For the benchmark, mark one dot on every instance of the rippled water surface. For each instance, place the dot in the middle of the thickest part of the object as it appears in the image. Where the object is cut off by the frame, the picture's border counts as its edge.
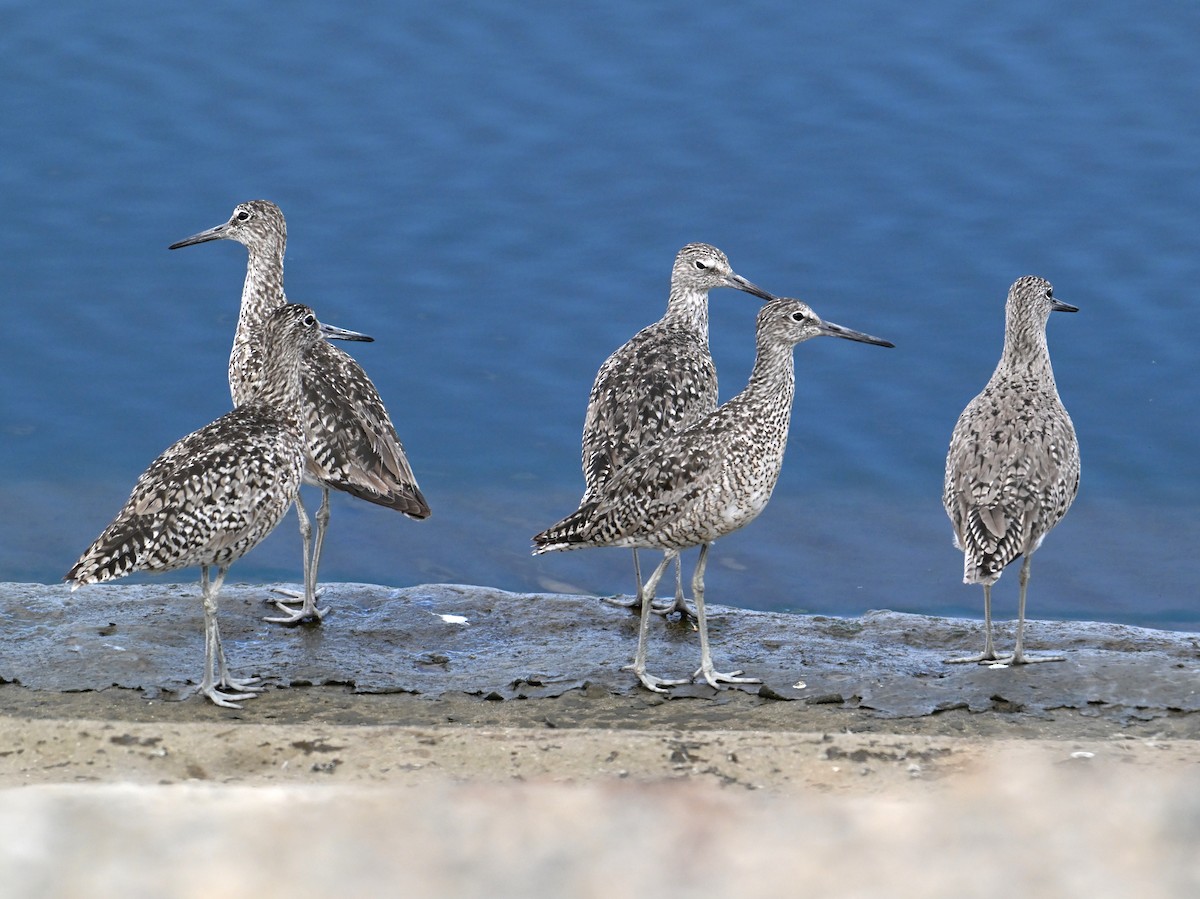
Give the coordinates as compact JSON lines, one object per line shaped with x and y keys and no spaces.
{"x":497,"y":197}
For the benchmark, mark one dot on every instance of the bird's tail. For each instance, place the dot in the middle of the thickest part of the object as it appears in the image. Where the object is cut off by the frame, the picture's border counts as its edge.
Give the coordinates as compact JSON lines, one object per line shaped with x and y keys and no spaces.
{"x":567,"y":534}
{"x":990,"y":541}
{"x":115,"y":553}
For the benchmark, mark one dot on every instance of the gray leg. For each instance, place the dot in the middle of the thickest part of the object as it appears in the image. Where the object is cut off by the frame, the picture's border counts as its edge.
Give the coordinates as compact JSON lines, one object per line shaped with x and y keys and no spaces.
{"x":1018,"y":657}
{"x":305,"y":542}
{"x":635,"y":605}
{"x":305,"y":537}
{"x":649,"y":681}
{"x":308,"y":613}
{"x":216,"y":672}
{"x":680,"y":604}
{"x":989,"y":648}
{"x":310,"y":600}
{"x":715,"y":678}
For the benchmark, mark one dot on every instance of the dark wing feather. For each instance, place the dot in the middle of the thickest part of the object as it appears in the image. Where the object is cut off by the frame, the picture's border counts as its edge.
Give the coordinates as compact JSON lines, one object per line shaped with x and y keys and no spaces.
{"x":353,"y":445}
{"x":659,"y":382}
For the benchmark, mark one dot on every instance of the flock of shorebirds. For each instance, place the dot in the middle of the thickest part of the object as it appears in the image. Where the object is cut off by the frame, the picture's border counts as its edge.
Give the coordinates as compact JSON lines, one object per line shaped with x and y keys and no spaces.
{"x":665,"y":467}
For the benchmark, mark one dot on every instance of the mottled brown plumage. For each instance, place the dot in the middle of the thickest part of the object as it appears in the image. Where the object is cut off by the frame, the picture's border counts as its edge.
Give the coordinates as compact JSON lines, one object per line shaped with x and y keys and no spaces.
{"x":660,"y":381}
{"x":214,"y":495}
{"x":706,"y":480}
{"x":352,"y":444}
{"x":1012,"y":470}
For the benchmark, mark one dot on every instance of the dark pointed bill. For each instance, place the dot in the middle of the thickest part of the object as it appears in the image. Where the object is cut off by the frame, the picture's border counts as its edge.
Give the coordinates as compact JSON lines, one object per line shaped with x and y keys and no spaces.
{"x":331,"y":332}
{"x":740,"y":283}
{"x":833,"y":330}
{"x":1060,"y":306}
{"x":203,"y":237}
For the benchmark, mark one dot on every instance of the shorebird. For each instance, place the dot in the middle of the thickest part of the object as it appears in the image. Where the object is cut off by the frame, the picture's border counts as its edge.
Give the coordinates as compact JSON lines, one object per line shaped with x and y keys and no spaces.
{"x":352,"y":444}
{"x":659,"y":382}
{"x":705,"y":481}
{"x":1013,"y":466}
{"x":214,"y":495}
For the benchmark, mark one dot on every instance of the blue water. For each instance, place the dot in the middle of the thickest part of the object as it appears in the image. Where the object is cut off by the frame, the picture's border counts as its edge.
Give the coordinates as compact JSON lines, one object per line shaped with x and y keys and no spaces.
{"x":496,"y":194}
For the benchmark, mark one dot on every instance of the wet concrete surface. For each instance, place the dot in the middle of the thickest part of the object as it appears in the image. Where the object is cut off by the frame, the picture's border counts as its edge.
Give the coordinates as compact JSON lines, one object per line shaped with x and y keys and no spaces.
{"x":435,"y":641}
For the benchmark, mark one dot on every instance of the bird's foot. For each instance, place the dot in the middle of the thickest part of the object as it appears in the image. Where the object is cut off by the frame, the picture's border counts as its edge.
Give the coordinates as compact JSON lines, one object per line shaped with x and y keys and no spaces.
{"x":632,"y":605}
{"x":293,"y":596}
{"x":987,"y":657}
{"x":650,"y":682}
{"x":293,"y":616}
{"x":246,"y":685}
{"x":230,"y":700}
{"x":1022,"y":659}
{"x":716,"y":678}
{"x":686,"y":615}
{"x":635,"y":605}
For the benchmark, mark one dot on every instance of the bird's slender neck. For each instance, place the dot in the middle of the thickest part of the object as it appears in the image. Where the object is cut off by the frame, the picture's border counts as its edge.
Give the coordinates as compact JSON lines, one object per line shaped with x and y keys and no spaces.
{"x":1025,"y":348}
{"x":774,"y":373}
{"x":688,"y":308}
{"x":763,"y":410}
{"x":263,"y":288}
{"x":279,"y":388}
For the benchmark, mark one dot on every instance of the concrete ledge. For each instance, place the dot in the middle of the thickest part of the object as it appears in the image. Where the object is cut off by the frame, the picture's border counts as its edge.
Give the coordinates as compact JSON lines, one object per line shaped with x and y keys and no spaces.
{"x":436,"y":640}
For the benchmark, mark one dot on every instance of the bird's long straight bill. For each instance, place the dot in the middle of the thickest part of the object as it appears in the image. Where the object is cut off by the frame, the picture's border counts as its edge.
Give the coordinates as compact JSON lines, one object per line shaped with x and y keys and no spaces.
{"x":740,"y":283}
{"x":832,"y":330}
{"x":203,"y":237}
{"x":330,"y":332}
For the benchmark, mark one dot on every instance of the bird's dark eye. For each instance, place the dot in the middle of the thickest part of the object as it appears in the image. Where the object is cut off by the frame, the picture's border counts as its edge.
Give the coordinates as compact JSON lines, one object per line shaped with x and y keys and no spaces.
{"x":701,"y":264}
{"x":310,"y":320}
{"x":797,"y":316}
{"x":243,"y":215}
{"x":1049,"y":291}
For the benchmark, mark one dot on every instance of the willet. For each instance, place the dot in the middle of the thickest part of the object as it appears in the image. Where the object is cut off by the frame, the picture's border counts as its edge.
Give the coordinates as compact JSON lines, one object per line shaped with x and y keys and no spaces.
{"x":214,"y":495}
{"x":659,"y":382}
{"x":352,"y":444}
{"x":705,"y":481}
{"x":1013,"y":467}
